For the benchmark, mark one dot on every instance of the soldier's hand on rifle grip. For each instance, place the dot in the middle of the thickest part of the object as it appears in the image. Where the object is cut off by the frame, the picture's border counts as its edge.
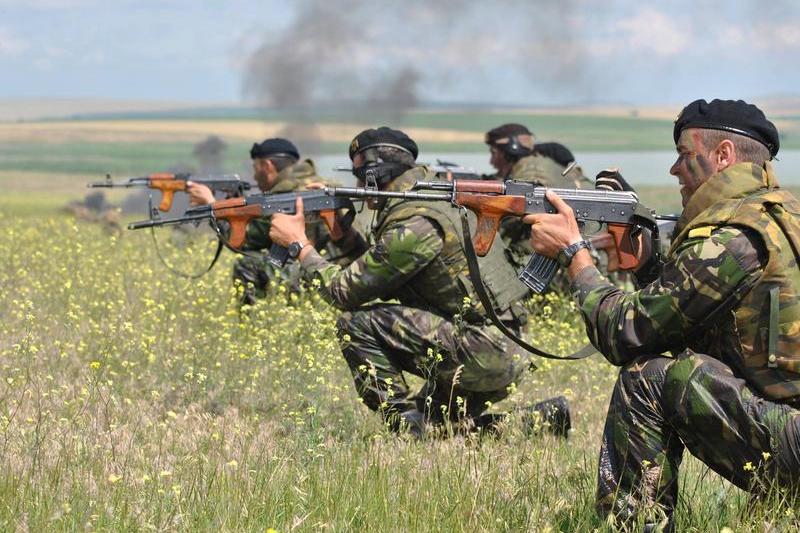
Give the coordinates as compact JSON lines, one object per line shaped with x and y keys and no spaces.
{"x":199,"y":194}
{"x":286,"y":229}
{"x":551,"y":233}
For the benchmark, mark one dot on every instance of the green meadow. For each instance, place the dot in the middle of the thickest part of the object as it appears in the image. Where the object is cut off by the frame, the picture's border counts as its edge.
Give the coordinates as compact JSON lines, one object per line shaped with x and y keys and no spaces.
{"x":132,"y":399}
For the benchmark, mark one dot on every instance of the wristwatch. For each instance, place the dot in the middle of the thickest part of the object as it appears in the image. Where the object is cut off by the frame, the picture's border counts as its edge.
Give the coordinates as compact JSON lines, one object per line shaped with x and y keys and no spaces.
{"x":296,"y":247}
{"x":565,"y":256}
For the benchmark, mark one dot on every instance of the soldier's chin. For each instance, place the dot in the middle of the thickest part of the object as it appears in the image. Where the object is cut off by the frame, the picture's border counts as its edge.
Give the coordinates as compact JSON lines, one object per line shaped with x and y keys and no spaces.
{"x":685,"y":195}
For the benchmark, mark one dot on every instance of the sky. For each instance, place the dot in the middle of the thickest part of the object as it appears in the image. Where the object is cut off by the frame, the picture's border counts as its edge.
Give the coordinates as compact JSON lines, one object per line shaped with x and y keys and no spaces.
{"x":509,"y":52}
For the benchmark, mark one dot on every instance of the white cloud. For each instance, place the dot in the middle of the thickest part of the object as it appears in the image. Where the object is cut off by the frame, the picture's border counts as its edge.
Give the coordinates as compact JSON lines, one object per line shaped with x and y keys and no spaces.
{"x":10,"y":44}
{"x":764,"y":37}
{"x":778,"y":36}
{"x":652,"y":31}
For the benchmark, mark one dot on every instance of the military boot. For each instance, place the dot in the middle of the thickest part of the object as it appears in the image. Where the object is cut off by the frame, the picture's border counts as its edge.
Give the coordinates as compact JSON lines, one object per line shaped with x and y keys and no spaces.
{"x":550,"y":415}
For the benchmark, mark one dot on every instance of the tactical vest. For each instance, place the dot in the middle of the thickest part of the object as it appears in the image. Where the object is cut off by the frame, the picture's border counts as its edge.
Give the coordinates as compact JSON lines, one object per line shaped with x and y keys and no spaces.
{"x":761,"y":337}
{"x":445,"y":283}
{"x":544,"y":170}
{"x":296,"y":177}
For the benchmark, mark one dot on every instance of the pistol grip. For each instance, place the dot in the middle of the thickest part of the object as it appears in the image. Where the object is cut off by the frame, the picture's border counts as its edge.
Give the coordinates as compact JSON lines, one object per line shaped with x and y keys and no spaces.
{"x":539,"y":272}
{"x":278,"y":255}
{"x":166,"y":200}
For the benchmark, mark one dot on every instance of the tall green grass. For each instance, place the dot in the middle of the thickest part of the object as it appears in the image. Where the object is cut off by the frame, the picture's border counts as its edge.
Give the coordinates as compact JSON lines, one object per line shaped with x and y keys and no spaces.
{"x":131,"y":399}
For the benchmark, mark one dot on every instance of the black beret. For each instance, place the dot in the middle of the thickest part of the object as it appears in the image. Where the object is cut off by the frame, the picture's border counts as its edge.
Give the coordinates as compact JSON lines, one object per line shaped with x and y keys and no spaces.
{"x":504,"y":132}
{"x":383,"y":136}
{"x":555,"y":151}
{"x":735,"y":116}
{"x":271,"y":147}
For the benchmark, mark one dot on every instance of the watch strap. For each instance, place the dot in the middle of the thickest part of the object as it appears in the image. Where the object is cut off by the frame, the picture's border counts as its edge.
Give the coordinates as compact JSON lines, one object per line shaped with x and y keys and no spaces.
{"x":565,"y":255}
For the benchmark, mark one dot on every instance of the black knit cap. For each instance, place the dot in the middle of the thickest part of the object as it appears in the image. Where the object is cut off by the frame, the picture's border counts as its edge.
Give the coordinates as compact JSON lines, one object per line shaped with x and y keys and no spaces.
{"x":273,"y":147}
{"x":735,"y":116}
{"x":383,"y":136}
{"x":504,"y":132}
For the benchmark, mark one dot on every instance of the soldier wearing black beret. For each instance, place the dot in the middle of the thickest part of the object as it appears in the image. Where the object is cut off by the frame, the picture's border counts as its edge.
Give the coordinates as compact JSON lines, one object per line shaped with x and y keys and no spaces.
{"x":725,"y":306}
{"x":277,"y":168}
{"x":436,"y":328}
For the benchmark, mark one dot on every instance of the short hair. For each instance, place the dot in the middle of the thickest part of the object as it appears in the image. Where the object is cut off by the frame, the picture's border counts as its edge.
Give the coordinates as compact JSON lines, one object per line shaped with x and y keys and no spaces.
{"x":747,"y":149}
{"x":390,"y":154}
{"x":281,"y":161}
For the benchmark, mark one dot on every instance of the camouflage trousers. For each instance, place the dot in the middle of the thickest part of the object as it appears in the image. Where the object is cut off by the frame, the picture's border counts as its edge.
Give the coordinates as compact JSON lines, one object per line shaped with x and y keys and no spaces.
{"x":255,"y":272}
{"x":465,"y":367}
{"x":661,"y":406}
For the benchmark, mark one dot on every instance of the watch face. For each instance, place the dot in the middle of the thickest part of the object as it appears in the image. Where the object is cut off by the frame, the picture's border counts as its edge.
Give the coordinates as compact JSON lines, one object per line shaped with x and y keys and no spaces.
{"x":294,"y":250}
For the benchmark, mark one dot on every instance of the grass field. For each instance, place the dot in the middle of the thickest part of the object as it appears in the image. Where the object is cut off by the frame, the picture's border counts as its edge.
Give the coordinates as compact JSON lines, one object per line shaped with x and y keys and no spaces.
{"x":132,"y":399}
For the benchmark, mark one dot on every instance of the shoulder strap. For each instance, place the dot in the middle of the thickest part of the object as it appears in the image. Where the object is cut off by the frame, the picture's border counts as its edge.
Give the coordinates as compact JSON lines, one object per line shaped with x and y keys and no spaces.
{"x":480,"y":290}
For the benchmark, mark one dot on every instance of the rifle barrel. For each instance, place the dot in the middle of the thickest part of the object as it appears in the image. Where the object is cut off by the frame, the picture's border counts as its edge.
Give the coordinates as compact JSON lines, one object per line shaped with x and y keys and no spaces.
{"x":363,"y":192}
{"x":168,"y":221}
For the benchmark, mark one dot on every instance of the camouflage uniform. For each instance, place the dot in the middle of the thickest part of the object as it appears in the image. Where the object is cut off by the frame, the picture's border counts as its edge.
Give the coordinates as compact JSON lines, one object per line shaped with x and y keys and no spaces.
{"x":543,"y":171}
{"x":254,"y":271}
{"x":727,"y":304}
{"x":438,"y":330}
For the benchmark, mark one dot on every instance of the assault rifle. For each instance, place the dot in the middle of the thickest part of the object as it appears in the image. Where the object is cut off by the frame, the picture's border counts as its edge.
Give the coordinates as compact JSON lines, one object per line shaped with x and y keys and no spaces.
{"x":492,"y":201}
{"x":448,"y":170}
{"x":168,"y":184}
{"x":238,"y":212}
{"x":443,"y":169}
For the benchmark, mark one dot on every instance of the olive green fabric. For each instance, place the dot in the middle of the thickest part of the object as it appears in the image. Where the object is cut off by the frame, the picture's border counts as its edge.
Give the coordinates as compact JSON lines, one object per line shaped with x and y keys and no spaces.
{"x":746,"y":196}
{"x":253,"y":272}
{"x":721,"y":397}
{"x":545,"y":171}
{"x":662,"y":405}
{"x":444,"y":289}
{"x":438,"y":330}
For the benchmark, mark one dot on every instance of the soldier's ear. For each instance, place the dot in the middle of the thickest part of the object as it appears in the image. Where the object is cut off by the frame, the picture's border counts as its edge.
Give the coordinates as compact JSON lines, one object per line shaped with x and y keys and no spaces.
{"x":725,"y":154}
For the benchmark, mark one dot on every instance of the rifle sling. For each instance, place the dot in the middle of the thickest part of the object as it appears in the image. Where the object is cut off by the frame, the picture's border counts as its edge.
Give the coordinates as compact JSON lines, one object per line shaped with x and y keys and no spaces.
{"x":178,"y":272}
{"x":480,"y":290}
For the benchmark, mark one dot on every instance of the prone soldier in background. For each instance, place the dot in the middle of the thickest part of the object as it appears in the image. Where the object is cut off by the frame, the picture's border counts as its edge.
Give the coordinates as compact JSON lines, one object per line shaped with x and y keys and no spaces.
{"x":277,"y":168}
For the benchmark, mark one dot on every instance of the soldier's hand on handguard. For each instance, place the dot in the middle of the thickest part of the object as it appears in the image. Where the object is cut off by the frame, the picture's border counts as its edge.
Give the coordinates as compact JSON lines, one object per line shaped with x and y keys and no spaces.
{"x":199,"y":194}
{"x":551,"y":233}
{"x":286,"y":229}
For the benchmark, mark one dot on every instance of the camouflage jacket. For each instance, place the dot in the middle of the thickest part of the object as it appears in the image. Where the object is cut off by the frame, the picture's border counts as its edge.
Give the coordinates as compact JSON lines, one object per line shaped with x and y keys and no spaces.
{"x":292,"y":178}
{"x":729,"y":287}
{"x":418,"y":258}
